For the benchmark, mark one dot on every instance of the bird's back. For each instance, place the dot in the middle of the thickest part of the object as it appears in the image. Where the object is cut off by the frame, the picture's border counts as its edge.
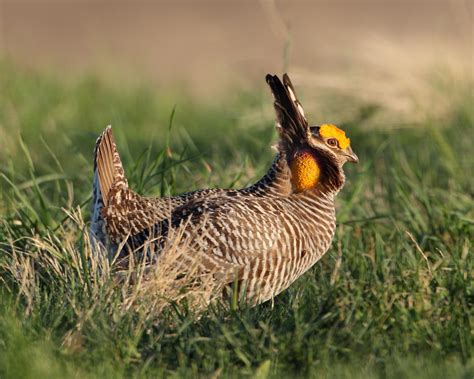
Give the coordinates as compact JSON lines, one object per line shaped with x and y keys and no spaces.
{"x":126,"y":213}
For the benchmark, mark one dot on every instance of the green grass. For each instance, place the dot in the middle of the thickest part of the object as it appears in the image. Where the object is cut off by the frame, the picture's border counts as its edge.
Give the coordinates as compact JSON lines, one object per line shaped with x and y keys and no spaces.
{"x":393,"y":297}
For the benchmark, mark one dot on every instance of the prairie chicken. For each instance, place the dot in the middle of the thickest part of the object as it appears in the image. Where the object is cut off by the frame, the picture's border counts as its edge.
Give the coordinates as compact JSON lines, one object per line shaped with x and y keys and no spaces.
{"x":272,"y":231}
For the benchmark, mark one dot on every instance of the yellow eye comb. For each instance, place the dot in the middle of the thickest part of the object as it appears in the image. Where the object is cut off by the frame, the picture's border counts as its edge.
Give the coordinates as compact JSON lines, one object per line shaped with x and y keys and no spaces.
{"x":332,"y":131}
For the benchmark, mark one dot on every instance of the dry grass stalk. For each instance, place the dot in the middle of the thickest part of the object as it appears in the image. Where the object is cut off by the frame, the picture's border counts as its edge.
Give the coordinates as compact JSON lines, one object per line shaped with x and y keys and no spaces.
{"x":146,"y":284}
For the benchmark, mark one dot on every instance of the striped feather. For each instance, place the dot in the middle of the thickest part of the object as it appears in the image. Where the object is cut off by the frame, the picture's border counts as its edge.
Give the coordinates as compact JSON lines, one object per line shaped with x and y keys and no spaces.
{"x":264,"y":236}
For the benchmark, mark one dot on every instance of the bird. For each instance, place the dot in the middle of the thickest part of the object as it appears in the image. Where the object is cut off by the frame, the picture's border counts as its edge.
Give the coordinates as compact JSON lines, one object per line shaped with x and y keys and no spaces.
{"x":269,"y":234}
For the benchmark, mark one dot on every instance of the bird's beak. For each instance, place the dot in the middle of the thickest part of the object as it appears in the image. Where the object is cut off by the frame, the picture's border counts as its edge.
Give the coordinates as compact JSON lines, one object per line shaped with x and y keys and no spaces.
{"x":351,"y":156}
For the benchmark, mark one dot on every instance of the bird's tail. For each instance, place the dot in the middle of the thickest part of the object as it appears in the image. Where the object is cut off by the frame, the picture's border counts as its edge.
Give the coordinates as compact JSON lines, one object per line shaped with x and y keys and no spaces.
{"x":291,"y":121}
{"x":107,"y":164}
{"x":108,"y":173}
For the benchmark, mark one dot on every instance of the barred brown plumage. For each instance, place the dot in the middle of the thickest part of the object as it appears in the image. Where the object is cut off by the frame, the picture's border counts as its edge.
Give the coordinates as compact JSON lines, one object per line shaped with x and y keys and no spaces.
{"x":269,"y":233}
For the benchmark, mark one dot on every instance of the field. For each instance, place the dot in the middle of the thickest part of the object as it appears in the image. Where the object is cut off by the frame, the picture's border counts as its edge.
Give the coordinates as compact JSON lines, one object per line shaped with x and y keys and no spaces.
{"x":393,"y":297}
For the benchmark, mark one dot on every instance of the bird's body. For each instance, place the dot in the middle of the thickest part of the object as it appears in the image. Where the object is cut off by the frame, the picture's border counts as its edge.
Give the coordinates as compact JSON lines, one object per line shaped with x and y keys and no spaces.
{"x":266,"y":235}
{"x":266,"y":238}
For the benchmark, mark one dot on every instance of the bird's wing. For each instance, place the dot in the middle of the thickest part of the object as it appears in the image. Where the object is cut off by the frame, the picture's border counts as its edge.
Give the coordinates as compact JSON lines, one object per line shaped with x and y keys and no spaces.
{"x":230,"y":229}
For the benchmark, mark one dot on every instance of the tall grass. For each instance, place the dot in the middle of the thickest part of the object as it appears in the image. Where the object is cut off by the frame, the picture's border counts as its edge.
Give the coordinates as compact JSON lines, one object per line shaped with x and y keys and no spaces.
{"x":393,"y":297}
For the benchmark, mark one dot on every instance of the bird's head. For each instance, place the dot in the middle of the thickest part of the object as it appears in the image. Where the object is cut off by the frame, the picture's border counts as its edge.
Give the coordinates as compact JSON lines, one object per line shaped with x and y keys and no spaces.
{"x":315,"y":154}
{"x":333,"y":141}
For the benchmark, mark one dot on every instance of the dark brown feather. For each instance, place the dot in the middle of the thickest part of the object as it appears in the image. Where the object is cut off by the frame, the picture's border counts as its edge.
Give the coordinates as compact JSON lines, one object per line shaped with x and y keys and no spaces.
{"x":291,"y":123}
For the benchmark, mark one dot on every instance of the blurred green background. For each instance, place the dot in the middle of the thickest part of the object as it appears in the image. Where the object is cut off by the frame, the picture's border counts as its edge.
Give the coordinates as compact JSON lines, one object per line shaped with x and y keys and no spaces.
{"x":182,"y":83}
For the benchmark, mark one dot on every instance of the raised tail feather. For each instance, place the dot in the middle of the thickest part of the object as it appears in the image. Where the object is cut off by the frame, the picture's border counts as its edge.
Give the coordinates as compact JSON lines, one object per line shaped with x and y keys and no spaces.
{"x":107,"y":164}
{"x":108,"y":172}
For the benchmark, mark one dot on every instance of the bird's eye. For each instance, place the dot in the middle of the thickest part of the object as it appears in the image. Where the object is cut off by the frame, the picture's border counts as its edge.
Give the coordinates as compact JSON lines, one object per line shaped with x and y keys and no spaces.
{"x":332,"y":142}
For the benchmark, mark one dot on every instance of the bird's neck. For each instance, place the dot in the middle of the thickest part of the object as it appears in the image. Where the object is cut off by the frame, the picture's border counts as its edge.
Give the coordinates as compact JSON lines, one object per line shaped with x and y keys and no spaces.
{"x":332,"y":175}
{"x":317,"y":176}
{"x":276,"y":180}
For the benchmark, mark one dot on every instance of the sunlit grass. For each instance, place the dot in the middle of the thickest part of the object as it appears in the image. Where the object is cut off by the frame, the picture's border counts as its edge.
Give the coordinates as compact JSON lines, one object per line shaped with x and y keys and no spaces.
{"x":393,"y":297}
